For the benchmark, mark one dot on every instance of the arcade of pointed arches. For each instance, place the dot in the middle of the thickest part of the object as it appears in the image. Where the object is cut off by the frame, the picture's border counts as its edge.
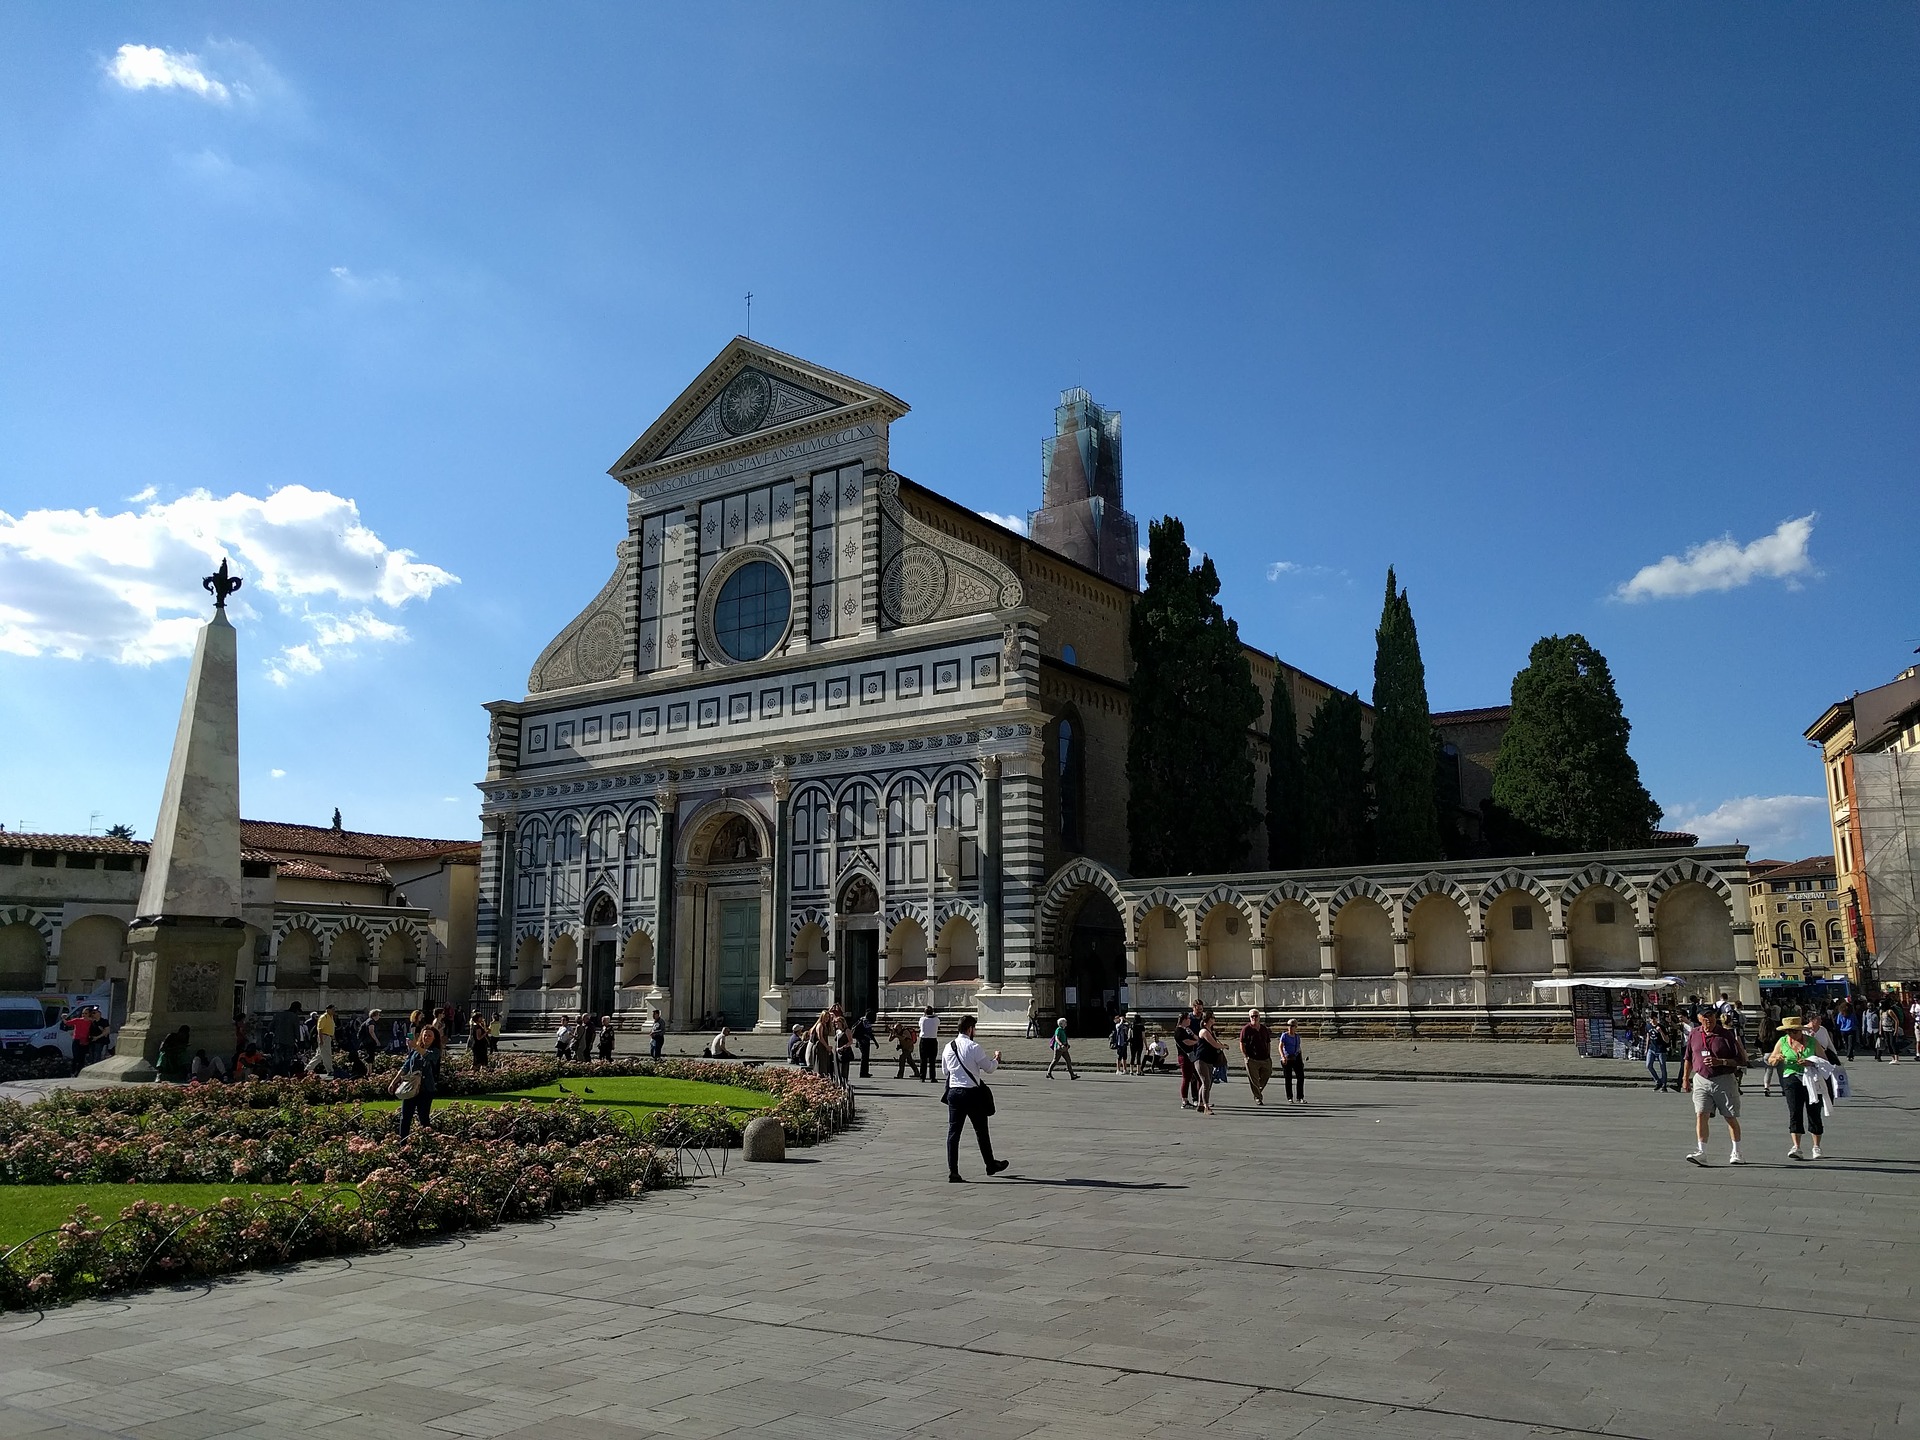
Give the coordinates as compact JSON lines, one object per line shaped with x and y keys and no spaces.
{"x":1578,"y":917}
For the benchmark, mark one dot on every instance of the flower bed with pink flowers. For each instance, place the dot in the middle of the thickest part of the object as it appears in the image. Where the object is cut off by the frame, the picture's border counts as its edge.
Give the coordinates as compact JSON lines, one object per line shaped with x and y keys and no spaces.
{"x":360,"y":1187}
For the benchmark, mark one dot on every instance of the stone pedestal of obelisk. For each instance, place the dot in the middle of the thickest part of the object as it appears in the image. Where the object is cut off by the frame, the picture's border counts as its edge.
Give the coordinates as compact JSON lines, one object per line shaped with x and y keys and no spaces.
{"x":187,"y":935}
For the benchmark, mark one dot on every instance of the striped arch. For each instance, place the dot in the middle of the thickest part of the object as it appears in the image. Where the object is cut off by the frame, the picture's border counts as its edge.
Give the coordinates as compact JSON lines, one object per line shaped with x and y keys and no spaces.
{"x":638,"y":924}
{"x":799,"y":921}
{"x":299,"y":920}
{"x":1226,"y":895}
{"x":1290,"y":890}
{"x":38,"y":919}
{"x":1593,"y":875}
{"x":1682,"y":871}
{"x":1360,"y":886}
{"x":958,"y":910}
{"x":1067,"y":882}
{"x":531,"y":931}
{"x":343,"y":924}
{"x":1434,"y":883}
{"x":1511,"y":879}
{"x":892,"y":915}
{"x":1155,"y":899}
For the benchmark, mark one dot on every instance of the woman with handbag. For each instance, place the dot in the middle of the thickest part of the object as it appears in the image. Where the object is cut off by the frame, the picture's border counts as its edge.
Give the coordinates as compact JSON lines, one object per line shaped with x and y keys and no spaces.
{"x":417,"y":1081}
{"x":1061,"y":1049}
{"x":968,"y":1098}
{"x":1209,"y":1063}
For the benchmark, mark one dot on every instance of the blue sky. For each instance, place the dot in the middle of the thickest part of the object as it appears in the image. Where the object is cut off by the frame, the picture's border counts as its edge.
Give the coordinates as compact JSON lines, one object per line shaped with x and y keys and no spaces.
{"x":1524,"y":300}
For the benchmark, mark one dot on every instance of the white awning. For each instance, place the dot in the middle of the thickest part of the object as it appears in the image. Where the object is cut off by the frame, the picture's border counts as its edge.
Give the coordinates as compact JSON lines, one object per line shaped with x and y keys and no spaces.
{"x":1608,"y":982}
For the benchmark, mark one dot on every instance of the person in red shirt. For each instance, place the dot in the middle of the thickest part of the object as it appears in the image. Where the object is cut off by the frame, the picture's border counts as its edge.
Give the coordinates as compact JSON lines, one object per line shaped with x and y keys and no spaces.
{"x":81,"y":1023}
{"x":1714,"y":1063}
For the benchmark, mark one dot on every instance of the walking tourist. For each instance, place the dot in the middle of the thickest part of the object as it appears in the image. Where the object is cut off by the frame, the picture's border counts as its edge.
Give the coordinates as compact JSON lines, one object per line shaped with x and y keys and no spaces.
{"x":1870,"y":1028}
{"x":904,"y":1038}
{"x":606,"y":1039}
{"x":1061,"y":1050}
{"x":323,"y":1032}
{"x":1656,"y":1043}
{"x":1790,"y":1054}
{"x":1847,"y":1024}
{"x":1136,"y":1041}
{"x":1711,"y":1071}
{"x":656,"y":1036}
{"x":1890,"y":1027}
{"x":1208,"y":1059}
{"x":1185,"y":1031}
{"x":968,"y":1098}
{"x":1256,"y":1048}
{"x":480,"y":1042}
{"x":563,"y":1040}
{"x":1913,"y":1027}
{"x":583,"y":1036}
{"x":842,"y":1048}
{"x":863,"y":1037}
{"x":929,"y":1042}
{"x":1118,"y":1041}
{"x":1293,"y":1064}
{"x":418,"y":1080}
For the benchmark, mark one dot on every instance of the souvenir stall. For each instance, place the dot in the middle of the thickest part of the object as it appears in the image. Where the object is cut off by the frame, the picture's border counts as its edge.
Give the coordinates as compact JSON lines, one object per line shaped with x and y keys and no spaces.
{"x":1607,"y":1011}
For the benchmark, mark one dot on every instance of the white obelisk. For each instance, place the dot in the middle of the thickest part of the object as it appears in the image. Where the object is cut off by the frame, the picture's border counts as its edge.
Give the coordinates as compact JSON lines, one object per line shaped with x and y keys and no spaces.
{"x":187,"y":936}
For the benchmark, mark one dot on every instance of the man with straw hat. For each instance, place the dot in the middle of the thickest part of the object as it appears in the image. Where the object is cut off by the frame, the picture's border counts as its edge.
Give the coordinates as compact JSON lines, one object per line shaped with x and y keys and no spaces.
{"x":1791,"y":1053}
{"x":1714,"y":1062}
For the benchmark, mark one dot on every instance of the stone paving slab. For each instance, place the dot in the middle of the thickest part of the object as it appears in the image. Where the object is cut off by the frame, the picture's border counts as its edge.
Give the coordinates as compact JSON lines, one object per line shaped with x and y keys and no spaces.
{"x":1391,"y":1260}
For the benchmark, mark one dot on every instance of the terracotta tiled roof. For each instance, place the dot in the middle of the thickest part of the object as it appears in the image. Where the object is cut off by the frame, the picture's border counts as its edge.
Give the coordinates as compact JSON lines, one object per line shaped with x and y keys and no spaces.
{"x":352,"y":844}
{"x":72,"y":844}
{"x":310,"y":870}
{"x":1677,"y":838}
{"x":99,"y":845}
{"x":1472,"y":717}
{"x":1814,"y":867}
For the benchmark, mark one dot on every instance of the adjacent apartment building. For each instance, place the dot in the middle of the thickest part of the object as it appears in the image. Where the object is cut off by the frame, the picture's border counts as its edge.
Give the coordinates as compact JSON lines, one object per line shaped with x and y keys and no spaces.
{"x":1870,"y":745}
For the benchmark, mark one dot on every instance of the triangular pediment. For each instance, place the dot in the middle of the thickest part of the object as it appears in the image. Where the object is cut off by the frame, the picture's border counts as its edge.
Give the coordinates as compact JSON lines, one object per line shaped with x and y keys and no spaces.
{"x":750,"y":395}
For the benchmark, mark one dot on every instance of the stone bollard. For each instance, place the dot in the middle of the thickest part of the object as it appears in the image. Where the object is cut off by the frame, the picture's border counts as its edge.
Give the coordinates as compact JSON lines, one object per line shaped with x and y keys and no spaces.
{"x":764,"y":1139}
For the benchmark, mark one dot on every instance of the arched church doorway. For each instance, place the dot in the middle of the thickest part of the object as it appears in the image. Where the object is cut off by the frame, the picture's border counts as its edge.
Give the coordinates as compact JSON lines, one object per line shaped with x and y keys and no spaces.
{"x":859,"y":926}
{"x":732,"y":883}
{"x":603,"y":955}
{"x":1096,"y":967}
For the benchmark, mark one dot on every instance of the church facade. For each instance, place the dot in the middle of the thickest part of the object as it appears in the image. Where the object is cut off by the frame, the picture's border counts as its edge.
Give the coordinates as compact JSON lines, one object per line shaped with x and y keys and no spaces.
{"x":824,"y":735}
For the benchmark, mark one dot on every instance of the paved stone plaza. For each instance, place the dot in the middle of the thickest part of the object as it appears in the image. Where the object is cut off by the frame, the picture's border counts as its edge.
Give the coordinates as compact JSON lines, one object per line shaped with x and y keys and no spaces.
{"x":1393,"y":1260}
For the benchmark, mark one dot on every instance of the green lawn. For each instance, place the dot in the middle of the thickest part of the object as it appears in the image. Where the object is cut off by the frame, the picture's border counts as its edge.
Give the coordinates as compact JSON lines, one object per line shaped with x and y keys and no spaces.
{"x":26,"y":1210}
{"x":629,"y":1094}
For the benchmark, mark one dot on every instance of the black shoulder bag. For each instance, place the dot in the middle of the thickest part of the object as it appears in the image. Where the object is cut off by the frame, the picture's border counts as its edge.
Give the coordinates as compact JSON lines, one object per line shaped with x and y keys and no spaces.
{"x":946,"y":1095}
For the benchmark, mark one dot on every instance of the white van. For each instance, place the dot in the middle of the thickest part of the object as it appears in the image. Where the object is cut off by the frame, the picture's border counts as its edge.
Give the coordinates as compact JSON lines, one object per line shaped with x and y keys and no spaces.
{"x":25,"y":1026}
{"x":30,"y":1024}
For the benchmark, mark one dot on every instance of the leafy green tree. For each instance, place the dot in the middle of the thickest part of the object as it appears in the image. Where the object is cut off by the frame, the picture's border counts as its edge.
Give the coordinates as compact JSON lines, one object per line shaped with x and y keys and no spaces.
{"x":1406,"y":825}
{"x":1563,"y":771}
{"x":1286,"y":781}
{"x":1334,"y":758}
{"x":1189,"y":766}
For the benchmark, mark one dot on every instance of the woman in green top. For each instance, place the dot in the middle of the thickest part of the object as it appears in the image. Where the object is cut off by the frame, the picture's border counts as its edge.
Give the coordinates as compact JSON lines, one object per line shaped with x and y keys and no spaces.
{"x":1791,"y":1053}
{"x":1060,"y":1050}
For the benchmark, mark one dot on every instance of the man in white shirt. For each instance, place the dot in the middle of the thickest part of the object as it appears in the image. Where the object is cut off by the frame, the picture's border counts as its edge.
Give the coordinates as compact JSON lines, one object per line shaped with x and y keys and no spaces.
{"x":929,"y":1042}
{"x":968,"y":1098}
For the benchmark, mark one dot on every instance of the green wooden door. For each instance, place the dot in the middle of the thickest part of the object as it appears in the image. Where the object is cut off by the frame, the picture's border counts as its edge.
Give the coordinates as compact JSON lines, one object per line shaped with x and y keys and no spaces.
{"x":740,"y":962}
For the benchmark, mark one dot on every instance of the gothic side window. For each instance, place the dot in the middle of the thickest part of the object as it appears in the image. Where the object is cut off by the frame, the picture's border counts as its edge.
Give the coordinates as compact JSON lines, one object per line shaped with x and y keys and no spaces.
{"x":532,"y":865}
{"x":812,"y":825}
{"x":858,"y":823}
{"x":1067,"y":762}
{"x":566,"y":862}
{"x":642,"y":850}
{"x":603,"y":839}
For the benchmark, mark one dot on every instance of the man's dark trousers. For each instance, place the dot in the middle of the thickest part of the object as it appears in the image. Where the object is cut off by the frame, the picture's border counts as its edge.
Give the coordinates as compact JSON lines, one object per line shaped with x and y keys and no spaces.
{"x":929,"y":1052}
{"x":866,"y":1050}
{"x":962,"y":1106}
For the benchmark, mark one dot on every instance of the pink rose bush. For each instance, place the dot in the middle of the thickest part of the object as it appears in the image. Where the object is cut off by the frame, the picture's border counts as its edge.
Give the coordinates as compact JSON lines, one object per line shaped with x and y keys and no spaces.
{"x":357,"y":1186}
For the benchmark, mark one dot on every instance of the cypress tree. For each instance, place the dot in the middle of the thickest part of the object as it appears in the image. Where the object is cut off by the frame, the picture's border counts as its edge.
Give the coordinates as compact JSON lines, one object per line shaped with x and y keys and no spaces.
{"x":1286,"y":780}
{"x":1406,"y":819}
{"x":1334,"y":758}
{"x":1563,"y":772}
{"x":1189,"y":765}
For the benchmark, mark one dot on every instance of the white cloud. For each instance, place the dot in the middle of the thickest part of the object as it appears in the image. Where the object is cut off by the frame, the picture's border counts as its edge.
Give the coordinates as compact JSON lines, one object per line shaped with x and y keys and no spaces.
{"x":148,"y":67}
{"x":1762,"y":822}
{"x":1015,"y":523}
{"x":1725,"y":564}
{"x":141,"y":497}
{"x":278,"y":774}
{"x":1280,"y":568}
{"x":381,"y":285}
{"x":126,"y":587}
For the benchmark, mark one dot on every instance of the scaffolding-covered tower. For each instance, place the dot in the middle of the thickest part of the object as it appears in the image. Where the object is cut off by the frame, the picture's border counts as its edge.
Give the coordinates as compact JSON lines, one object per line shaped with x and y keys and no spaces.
{"x":1082,"y":514}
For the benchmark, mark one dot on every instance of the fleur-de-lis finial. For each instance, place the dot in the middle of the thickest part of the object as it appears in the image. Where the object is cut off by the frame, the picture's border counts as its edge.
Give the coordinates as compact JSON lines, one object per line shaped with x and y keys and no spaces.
{"x":220,"y":585}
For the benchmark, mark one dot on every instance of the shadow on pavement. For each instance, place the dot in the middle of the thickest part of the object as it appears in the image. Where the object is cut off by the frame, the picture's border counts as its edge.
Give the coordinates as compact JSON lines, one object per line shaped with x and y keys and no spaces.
{"x":1093,"y":1184}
